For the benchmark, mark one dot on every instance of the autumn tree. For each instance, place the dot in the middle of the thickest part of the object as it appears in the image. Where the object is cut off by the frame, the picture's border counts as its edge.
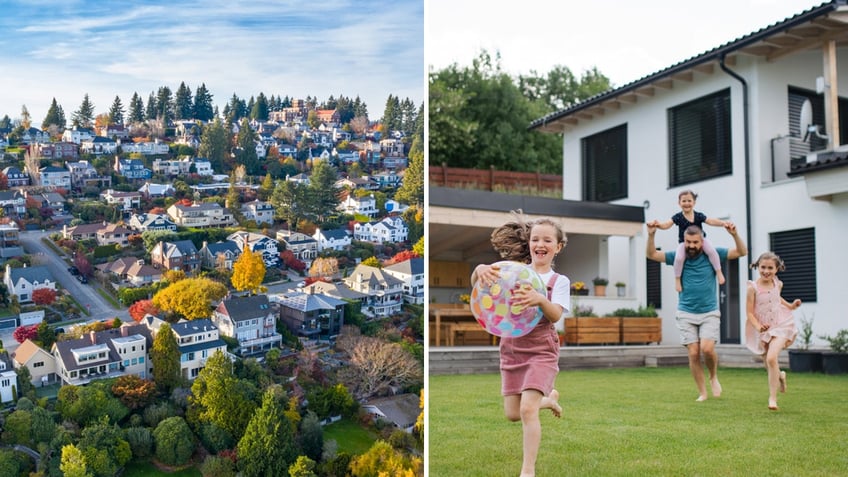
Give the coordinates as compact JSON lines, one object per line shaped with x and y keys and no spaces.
{"x":134,"y":391}
{"x":165,"y":356}
{"x":324,"y":267}
{"x":290,"y":261}
{"x":73,"y":462}
{"x":268,"y":442}
{"x":248,"y":271}
{"x":403,"y":256}
{"x":377,"y":365}
{"x":190,"y":298}
{"x":218,"y":397}
{"x":383,"y":459}
{"x":418,"y":248}
{"x":44,"y":296}
{"x":372,"y":262}
{"x":25,"y":332}
{"x":142,"y":308}
{"x":173,"y":276}
{"x":45,"y":336}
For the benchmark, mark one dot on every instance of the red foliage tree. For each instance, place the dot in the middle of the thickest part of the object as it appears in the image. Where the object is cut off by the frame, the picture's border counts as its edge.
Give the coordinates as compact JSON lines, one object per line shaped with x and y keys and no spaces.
{"x":141,"y":308}
{"x":44,"y":296}
{"x":23,"y":333}
{"x":157,"y":210}
{"x":133,"y":391}
{"x":291,"y":262}
{"x":83,"y":265}
{"x":402,"y":257}
{"x":4,"y":182}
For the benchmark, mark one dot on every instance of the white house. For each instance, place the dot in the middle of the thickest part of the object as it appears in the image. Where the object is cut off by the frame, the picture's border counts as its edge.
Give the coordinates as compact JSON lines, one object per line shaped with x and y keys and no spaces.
{"x":257,"y":243}
{"x":366,"y":205}
{"x":753,"y":127}
{"x":338,"y":239}
{"x":384,"y":292}
{"x":259,"y":211}
{"x":390,"y":229}
{"x":21,"y":282}
{"x":304,"y":247}
{"x":8,"y":380}
{"x":411,"y":273}
{"x":251,"y":320}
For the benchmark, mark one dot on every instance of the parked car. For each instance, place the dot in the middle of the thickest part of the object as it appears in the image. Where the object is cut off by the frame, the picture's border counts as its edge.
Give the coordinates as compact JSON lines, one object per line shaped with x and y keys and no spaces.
{"x":73,"y":270}
{"x":82,"y":279}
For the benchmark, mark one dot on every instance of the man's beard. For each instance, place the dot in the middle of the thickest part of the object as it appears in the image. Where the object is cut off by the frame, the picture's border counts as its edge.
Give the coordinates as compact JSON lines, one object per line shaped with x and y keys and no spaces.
{"x":692,"y":252}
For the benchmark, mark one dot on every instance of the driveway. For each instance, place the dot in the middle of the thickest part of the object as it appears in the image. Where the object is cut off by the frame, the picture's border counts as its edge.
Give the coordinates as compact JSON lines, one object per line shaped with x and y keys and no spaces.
{"x":86,"y":295}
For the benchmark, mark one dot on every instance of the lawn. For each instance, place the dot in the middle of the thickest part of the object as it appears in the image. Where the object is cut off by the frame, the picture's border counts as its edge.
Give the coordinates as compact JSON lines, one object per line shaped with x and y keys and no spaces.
{"x":146,"y":469}
{"x":644,"y":421}
{"x":350,"y":436}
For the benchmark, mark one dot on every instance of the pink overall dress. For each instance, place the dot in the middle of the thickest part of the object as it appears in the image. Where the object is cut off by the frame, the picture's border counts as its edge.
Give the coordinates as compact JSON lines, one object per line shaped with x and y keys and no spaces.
{"x":770,"y":311}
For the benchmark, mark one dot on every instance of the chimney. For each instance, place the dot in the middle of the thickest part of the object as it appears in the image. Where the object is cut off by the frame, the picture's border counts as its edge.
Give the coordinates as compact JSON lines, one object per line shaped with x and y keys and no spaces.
{"x":124,"y":331}
{"x":93,"y":335}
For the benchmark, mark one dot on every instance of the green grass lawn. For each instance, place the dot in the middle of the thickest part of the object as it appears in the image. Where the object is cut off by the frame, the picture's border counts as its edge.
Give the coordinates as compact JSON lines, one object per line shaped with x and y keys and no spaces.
{"x":350,"y":436}
{"x":645,"y":421}
{"x":146,"y":469}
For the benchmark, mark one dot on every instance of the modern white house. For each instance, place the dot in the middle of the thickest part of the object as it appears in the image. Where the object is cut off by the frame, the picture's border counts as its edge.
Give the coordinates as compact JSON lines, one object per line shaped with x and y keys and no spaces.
{"x":757,"y":128}
{"x":411,"y":273}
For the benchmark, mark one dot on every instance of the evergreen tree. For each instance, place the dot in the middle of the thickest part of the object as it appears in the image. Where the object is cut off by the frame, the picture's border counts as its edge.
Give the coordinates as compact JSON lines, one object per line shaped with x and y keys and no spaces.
{"x":165,"y":357}
{"x":83,"y":117}
{"x":246,"y":149}
{"x":55,"y":116}
{"x":359,"y":108}
{"x":268,"y":443}
{"x":392,"y":114}
{"x":259,"y":111}
{"x":236,"y":109}
{"x":136,"y":113}
{"x":164,"y":105}
{"x":322,"y":190}
{"x":116,"y":112}
{"x":218,"y":397}
{"x":150,"y":111}
{"x":288,"y":200}
{"x":183,"y":105}
{"x":214,"y":145}
{"x":203,"y":104}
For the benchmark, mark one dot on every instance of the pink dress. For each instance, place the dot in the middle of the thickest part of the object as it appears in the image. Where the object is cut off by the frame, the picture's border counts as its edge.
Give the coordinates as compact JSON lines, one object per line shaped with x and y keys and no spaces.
{"x":770,"y":311}
{"x":531,"y":361}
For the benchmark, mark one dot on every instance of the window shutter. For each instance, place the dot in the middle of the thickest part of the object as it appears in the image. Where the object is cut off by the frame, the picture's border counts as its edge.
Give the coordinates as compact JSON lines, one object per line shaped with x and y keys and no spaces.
{"x":700,"y":139}
{"x":605,"y":165}
{"x":797,"y":248}
{"x":654,"y":283}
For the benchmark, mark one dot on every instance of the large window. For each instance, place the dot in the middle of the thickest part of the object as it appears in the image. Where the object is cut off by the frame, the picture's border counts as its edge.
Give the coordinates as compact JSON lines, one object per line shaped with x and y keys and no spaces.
{"x":605,"y":165}
{"x":653,"y":280}
{"x":797,"y":248}
{"x":699,"y":139}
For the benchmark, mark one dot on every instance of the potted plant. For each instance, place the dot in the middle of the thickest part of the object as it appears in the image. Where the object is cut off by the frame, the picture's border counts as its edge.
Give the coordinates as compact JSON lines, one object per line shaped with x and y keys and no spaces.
{"x":640,"y":326}
{"x":579,"y":288}
{"x":803,"y":359}
{"x":586,"y":327}
{"x":836,"y":360}
{"x":600,"y":286}
{"x":621,"y":288}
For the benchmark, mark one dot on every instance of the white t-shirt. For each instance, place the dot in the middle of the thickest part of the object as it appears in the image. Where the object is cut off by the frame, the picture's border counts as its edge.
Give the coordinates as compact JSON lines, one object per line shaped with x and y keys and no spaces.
{"x":561,"y":294}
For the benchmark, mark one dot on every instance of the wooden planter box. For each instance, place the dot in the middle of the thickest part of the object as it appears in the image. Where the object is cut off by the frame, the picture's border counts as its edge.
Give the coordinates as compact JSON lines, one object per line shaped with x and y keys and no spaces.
{"x":592,"y":330}
{"x":641,"y":330}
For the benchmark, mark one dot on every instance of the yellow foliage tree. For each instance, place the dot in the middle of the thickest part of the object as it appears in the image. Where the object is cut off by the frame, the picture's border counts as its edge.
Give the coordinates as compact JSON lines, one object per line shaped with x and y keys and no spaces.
{"x":190,"y":298}
{"x":173,"y":276}
{"x":324,"y":267}
{"x":248,"y":271}
{"x":372,"y":262}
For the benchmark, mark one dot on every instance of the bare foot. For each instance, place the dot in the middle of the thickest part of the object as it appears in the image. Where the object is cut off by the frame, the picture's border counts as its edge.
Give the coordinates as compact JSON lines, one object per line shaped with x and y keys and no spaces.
{"x":556,"y":409}
{"x":773,"y":405}
{"x":701,"y":399}
{"x":716,"y":387}
{"x":720,"y":277}
{"x":783,"y":381}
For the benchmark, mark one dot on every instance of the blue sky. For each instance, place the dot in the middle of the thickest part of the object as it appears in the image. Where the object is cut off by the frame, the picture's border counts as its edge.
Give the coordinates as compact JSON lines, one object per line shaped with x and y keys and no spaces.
{"x":625,"y":40}
{"x":107,"y":48}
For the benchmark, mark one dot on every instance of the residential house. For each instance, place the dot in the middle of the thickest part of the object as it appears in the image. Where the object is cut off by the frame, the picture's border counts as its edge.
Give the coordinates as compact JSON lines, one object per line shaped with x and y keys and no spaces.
{"x":55,"y":150}
{"x":10,"y":245}
{"x":115,"y":131}
{"x":347,"y":157}
{"x":151,"y":222}
{"x":132,"y":271}
{"x":354,"y":183}
{"x":312,"y":316}
{"x":33,"y":135}
{"x":304,"y":247}
{"x":128,"y":201}
{"x":110,"y":234}
{"x":411,"y":273}
{"x":392,"y":147}
{"x":328,"y":116}
{"x":201,"y":214}
{"x":22,"y":282}
{"x":198,"y":340}
{"x":395,"y":162}
{"x":82,"y":231}
{"x":741,"y":124}
{"x":385,"y":292}
{"x":8,"y":379}
{"x":85,"y":175}
{"x":177,"y":255}
{"x":387,"y":230}
{"x":15,"y":178}
{"x":151,"y":191}
{"x":77,"y":135}
{"x":54,"y":176}
{"x":257,"y":243}
{"x":402,"y":410}
{"x":47,"y":200}
{"x":388,"y":179}
{"x":40,"y":363}
{"x":147,"y":148}
{"x":219,"y":254}
{"x":259,"y":211}
{"x":301,"y":178}
{"x":203,"y":167}
{"x":336,"y":290}
{"x":249,"y":319}
{"x":338,"y":239}
{"x":99,"y":145}
{"x":13,"y":203}
{"x":365,"y":205}
{"x":394,"y":207}
{"x":104,"y":354}
{"x":131,"y":168}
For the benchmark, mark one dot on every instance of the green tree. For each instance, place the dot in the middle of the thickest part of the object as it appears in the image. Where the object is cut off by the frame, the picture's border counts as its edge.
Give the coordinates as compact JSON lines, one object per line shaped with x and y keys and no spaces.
{"x":83,"y":117}
{"x":73,"y":462}
{"x":322,"y":191}
{"x":165,"y":357}
{"x":311,"y":436}
{"x":214,"y":145}
{"x":268,"y":442}
{"x":183,"y":104}
{"x":90,"y":403}
{"x":303,"y":467}
{"x":116,"y":111}
{"x":259,"y":111}
{"x":382,"y":459}
{"x":18,"y":428}
{"x":140,"y":440}
{"x":104,"y":448}
{"x":55,"y":116}
{"x":136,"y":112}
{"x":217,"y":466}
{"x":266,"y":188}
{"x":174,"y":441}
{"x":246,"y":148}
{"x":411,"y":191}
{"x":248,"y":271}
{"x":288,"y":200}
{"x":220,"y":398}
{"x":164,"y":104}
{"x":203,"y":109}
{"x":43,"y":425}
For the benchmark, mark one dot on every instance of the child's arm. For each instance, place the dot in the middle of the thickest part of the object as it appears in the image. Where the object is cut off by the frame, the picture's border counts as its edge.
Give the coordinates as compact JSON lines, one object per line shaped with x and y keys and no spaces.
{"x":715,"y":222}
{"x":749,"y":308}
{"x":487,"y":273}
{"x":665,"y":225}
{"x":526,"y":296}
{"x":792,"y":306}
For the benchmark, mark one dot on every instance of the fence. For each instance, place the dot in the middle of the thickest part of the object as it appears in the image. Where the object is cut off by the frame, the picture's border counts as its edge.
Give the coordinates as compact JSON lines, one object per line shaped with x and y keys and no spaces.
{"x":495,"y":180}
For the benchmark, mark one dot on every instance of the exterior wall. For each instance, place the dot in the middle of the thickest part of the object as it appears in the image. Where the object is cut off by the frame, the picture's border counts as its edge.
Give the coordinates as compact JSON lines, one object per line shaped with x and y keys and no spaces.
{"x":775,"y":206}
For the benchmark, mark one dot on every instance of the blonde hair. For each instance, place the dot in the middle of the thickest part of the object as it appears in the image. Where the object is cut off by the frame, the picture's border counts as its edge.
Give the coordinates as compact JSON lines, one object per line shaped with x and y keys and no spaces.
{"x":512,"y":239}
{"x":769,"y":256}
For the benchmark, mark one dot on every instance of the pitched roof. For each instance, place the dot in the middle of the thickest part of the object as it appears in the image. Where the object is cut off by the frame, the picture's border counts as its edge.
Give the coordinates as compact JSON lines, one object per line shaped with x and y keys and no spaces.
{"x":36,"y":273}
{"x":413,"y":266}
{"x":402,"y":410}
{"x":26,"y":351}
{"x":310,"y":302}
{"x":246,"y":307}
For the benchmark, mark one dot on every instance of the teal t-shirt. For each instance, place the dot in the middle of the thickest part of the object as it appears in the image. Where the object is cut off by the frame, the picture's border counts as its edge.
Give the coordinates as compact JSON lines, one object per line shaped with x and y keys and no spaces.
{"x":700,"y":287}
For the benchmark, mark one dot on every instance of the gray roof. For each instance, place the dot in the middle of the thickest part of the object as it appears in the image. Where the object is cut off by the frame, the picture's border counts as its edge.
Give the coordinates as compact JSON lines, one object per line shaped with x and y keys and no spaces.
{"x":309,"y":302}
{"x":37,"y":273}
{"x":66,"y":348}
{"x":335,"y":234}
{"x":413,"y":266}
{"x":246,"y":307}
{"x":223,"y":247}
{"x":402,"y":410}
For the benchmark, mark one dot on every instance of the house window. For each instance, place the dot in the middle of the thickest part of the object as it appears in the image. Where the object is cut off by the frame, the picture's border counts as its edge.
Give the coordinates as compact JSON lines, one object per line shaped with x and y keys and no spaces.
{"x":699,"y":139}
{"x":5,"y":383}
{"x":38,"y":364}
{"x":605,"y":165}
{"x":797,"y":248}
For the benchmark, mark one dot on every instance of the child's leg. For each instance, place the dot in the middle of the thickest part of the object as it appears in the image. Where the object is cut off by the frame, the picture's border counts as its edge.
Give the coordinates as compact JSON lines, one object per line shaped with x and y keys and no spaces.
{"x":715,"y":261}
{"x":531,"y":401}
{"x":512,"y":407}
{"x":551,"y":402}
{"x":679,"y":258}
{"x":773,"y":349}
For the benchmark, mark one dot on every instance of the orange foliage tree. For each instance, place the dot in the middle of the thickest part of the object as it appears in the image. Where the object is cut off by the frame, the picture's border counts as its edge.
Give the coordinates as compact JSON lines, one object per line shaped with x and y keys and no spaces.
{"x":44,"y":296}
{"x":141,"y":308}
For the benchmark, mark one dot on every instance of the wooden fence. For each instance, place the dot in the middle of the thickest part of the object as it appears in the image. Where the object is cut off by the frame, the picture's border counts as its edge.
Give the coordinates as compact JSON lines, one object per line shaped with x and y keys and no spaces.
{"x":494,"y":180}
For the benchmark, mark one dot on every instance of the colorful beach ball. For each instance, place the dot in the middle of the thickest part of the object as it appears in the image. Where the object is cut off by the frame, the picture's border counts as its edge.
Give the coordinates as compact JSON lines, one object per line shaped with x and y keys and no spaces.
{"x":492,"y":307}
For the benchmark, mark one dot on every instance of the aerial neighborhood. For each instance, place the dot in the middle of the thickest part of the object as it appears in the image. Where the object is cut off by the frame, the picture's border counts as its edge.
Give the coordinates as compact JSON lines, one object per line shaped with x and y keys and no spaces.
{"x":259,"y":258}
